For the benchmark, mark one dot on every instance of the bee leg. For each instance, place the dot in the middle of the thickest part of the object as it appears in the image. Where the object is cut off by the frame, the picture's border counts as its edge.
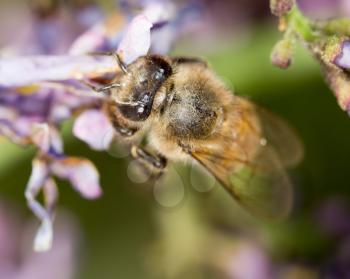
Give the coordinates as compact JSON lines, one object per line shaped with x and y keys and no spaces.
{"x":185,"y":148}
{"x":115,"y":55}
{"x":155,"y":164}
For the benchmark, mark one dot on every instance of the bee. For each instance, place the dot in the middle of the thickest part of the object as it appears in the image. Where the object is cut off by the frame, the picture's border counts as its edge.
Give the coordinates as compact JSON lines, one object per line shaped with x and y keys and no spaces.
{"x":187,"y":113}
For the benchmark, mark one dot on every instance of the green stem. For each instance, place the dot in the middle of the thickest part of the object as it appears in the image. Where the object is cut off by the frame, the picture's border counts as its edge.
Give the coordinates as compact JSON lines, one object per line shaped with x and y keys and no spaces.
{"x":301,"y":25}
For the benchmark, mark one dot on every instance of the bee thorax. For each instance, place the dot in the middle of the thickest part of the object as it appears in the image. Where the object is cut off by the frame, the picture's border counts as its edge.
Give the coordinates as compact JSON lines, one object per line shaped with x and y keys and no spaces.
{"x":193,"y":114}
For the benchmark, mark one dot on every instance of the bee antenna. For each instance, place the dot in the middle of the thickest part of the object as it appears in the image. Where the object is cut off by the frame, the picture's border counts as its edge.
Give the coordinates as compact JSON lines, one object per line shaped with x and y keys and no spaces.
{"x":103,"y":89}
{"x":120,"y":62}
{"x":116,"y":56}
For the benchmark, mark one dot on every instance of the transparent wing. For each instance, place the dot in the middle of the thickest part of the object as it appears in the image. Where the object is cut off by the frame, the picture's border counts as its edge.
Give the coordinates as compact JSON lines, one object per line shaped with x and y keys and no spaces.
{"x":256,"y":178}
{"x":263,"y":187}
{"x":281,"y":136}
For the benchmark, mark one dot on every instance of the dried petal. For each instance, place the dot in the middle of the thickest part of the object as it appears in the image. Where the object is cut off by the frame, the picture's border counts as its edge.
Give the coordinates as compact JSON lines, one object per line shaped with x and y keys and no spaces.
{"x":93,"y":127}
{"x":81,"y":173}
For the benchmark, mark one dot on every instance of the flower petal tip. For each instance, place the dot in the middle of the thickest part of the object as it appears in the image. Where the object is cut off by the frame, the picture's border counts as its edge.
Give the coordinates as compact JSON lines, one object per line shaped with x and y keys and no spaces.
{"x":43,"y":238}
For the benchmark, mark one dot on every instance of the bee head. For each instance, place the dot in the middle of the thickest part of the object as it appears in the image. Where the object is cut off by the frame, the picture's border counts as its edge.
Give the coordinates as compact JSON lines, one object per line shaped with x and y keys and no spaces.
{"x":139,"y":86}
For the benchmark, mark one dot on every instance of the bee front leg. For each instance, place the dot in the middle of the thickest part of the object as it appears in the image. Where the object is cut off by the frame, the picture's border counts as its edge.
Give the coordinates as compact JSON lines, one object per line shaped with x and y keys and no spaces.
{"x":154,"y":164}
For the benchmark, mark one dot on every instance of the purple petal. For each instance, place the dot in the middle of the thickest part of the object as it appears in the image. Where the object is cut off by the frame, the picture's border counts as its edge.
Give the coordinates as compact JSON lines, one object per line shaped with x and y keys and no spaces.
{"x":81,"y":173}
{"x":19,"y":71}
{"x":93,"y":127}
{"x":23,"y":109}
{"x":343,"y":59}
{"x":137,"y":40}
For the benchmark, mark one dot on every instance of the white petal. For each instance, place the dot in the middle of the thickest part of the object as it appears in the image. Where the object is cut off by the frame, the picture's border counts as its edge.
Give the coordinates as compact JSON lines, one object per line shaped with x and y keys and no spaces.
{"x":137,"y":39}
{"x":93,"y":127}
{"x":37,"y":178}
{"x":44,"y":236}
{"x":81,"y":173}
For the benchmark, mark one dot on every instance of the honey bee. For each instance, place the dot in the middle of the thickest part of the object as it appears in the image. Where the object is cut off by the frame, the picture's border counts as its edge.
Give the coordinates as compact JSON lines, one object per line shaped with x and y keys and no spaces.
{"x":186,"y":112}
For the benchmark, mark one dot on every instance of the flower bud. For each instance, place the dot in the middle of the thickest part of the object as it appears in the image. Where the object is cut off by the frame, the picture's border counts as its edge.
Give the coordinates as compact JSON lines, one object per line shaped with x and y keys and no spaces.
{"x":281,"y":7}
{"x":282,"y":53}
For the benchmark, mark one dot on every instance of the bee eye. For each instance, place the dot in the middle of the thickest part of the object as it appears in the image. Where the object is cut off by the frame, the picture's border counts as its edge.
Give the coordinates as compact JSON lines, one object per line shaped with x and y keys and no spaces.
{"x":140,"y":110}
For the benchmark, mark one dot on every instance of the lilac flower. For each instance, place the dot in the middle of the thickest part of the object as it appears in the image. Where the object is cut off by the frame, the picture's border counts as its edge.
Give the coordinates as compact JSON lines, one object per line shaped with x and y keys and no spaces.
{"x":34,"y":117}
{"x":50,"y":162}
{"x":38,"y":93}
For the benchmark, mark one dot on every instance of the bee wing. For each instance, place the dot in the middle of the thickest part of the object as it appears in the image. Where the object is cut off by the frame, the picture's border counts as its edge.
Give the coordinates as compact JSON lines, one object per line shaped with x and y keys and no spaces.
{"x":261,"y":186}
{"x":281,"y":136}
{"x":258,"y":181}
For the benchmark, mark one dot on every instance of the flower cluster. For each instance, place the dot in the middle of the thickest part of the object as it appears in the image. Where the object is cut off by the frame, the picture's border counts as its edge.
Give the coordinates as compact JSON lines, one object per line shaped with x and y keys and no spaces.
{"x":327,"y":40}
{"x":39,"y":92}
